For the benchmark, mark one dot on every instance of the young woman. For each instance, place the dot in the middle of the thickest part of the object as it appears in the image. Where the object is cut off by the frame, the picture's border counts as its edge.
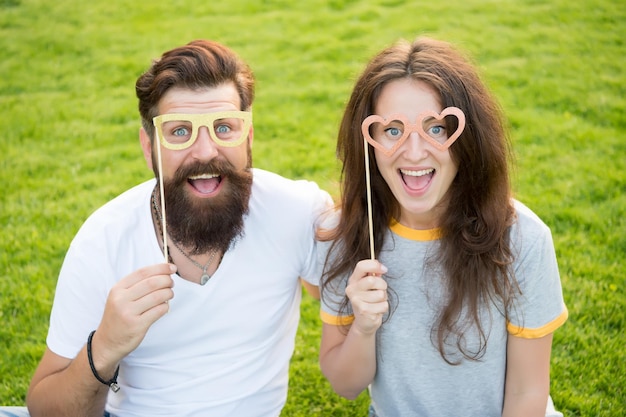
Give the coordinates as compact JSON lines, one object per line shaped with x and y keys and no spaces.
{"x":454,"y":314}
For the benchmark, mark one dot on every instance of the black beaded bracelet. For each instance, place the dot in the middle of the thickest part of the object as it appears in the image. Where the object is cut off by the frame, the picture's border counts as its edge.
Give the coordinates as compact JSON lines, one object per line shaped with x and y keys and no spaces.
{"x":112,"y":383}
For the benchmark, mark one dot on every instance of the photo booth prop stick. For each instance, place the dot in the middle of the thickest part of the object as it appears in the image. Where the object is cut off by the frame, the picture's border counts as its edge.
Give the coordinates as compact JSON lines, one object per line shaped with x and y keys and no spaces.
{"x":388,"y":134}
{"x":370,"y":223}
{"x":162,"y":195}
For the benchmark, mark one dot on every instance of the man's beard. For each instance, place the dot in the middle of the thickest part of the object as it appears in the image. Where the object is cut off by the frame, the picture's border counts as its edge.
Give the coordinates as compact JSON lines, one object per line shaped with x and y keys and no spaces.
{"x":211,"y":223}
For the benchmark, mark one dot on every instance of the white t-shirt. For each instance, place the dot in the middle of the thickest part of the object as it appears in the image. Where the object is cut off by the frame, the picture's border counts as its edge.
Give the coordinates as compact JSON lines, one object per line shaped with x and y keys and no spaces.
{"x":224,"y":348}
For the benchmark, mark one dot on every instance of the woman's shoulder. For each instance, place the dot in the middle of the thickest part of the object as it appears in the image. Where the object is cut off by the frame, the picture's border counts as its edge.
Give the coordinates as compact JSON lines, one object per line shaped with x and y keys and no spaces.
{"x":528,"y":228}
{"x":526,"y":217}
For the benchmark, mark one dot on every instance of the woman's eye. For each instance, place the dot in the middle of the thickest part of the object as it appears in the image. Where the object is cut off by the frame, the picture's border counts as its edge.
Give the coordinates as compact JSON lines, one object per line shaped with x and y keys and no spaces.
{"x":437,"y":131}
{"x":393,"y":132}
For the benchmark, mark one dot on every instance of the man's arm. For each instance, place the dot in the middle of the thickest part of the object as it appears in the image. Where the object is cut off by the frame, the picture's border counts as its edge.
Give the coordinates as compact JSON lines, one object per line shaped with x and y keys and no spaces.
{"x":68,"y":387}
{"x":313,"y":290}
{"x":64,"y":387}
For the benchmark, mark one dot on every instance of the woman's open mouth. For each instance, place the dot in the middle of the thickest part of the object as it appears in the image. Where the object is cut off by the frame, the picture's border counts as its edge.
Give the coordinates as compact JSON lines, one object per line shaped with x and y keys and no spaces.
{"x":417,"y":180}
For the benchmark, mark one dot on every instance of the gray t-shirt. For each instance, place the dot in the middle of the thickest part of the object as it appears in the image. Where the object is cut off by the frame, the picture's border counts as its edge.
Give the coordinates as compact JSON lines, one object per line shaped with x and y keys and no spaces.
{"x":412,"y":378}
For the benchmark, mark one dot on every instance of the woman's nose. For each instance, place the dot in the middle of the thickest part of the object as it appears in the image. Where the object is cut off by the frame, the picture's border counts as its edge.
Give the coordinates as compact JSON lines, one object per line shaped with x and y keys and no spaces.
{"x":415,"y":146}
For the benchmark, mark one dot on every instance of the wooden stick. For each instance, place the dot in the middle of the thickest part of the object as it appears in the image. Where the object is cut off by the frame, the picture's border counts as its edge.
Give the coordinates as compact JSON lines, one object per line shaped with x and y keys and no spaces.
{"x":161,"y":192}
{"x":369,"y":199}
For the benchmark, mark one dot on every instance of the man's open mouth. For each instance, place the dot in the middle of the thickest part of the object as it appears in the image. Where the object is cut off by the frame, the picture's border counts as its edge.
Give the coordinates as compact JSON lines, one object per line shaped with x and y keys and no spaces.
{"x":205,"y":183}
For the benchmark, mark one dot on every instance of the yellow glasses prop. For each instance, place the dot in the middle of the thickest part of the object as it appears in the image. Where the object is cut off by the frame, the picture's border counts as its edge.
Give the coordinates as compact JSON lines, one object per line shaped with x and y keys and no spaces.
{"x":388,"y":134}
{"x":179,"y":131}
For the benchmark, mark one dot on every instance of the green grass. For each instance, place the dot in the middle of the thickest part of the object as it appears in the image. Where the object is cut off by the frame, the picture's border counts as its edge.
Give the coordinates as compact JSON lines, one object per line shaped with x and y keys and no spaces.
{"x":68,"y":143}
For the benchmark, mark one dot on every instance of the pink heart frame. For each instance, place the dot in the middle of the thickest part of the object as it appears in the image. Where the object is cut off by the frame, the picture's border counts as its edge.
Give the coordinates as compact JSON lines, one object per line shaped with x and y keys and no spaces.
{"x":417,"y":127}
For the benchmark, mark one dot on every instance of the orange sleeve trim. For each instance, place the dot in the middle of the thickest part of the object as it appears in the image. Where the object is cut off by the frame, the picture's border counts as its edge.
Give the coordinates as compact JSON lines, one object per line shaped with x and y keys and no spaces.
{"x":336,"y":320}
{"x":538,"y":332}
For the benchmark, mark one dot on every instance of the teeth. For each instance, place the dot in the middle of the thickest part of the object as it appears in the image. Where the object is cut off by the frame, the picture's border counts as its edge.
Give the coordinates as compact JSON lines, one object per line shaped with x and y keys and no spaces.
{"x":203,"y":177}
{"x":416,"y":173}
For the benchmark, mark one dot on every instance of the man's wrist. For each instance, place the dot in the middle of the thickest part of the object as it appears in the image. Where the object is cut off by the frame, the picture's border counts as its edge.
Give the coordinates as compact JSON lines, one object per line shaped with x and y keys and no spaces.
{"x":112,"y":383}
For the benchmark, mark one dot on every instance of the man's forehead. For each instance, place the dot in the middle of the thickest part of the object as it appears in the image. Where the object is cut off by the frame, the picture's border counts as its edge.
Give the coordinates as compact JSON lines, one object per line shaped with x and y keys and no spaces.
{"x":198,"y":100}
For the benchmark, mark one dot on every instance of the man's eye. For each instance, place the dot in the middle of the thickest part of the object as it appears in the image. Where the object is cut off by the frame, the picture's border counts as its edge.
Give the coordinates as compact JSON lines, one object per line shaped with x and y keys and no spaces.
{"x":180,"y":131}
{"x":222,"y":129}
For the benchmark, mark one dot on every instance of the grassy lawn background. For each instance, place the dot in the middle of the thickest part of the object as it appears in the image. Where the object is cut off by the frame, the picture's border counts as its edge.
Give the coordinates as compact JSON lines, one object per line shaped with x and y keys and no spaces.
{"x":69,"y":124}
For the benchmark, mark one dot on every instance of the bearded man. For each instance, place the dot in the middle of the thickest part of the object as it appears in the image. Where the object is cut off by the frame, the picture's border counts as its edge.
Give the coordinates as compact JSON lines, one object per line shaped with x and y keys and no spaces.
{"x":181,"y":296}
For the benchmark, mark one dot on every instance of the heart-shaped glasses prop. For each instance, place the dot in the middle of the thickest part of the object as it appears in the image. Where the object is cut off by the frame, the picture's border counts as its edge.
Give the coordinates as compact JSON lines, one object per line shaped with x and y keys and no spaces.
{"x":388,"y":134}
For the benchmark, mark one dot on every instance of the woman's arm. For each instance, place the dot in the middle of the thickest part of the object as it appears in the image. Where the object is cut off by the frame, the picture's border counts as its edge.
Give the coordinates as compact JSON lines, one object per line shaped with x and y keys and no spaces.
{"x":349,"y":360}
{"x":527,"y":376}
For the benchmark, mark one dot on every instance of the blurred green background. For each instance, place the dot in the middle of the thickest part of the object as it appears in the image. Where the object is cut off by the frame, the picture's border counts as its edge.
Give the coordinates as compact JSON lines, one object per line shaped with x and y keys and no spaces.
{"x":69,"y":142}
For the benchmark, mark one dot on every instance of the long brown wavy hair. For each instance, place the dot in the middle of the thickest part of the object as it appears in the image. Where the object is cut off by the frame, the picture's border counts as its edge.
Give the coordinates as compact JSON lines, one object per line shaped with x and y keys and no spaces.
{"x":474,"y":252}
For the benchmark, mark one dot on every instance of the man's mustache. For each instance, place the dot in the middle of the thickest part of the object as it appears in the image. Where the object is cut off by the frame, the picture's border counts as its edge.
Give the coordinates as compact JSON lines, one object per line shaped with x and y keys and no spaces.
{"x":219,"y":167}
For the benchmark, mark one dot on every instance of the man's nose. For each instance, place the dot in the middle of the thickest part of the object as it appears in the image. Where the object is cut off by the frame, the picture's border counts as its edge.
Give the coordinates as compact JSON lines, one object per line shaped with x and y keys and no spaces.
{"x":204,"y":147}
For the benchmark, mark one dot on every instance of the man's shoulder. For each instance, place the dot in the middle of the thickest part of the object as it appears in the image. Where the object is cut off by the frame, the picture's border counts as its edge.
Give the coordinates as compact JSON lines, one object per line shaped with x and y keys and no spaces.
{"x":267,"y":182}
{"x":262,"y":176}
{"x":273,"y":193}
{"x":122,"y":207}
